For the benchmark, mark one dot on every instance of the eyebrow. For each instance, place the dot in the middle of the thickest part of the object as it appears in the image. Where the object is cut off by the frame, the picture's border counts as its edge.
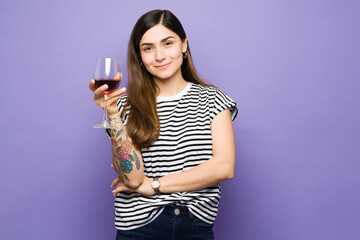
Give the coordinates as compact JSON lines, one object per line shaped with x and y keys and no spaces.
{"x":163,"y":40}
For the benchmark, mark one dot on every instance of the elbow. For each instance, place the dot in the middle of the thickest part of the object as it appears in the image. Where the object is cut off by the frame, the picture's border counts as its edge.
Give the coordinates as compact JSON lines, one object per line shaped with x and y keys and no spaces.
{"x":230,"y":175}
{"x":228,"y":172}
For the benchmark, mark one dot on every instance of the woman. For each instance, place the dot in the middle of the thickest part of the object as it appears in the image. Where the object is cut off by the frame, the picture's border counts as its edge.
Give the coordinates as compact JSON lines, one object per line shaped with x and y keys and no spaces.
{"x":178,"y":143}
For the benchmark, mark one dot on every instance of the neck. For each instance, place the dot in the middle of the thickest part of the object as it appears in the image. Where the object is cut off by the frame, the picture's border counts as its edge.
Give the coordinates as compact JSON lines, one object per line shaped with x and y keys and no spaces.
{"x":172,"y":86}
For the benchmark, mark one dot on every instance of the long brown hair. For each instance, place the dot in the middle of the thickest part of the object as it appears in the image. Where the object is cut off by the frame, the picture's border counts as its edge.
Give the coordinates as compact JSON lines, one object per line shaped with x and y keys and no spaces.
{"x":143,"y":125}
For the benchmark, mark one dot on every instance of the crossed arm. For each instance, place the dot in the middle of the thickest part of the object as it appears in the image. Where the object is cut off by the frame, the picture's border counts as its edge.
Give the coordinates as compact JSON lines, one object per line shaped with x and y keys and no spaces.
{"x":127,"y":160}
{"x":217,"y":169}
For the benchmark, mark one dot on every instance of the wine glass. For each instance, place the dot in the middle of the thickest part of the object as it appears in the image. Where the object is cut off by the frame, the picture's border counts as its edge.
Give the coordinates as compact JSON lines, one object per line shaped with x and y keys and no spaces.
{"x":107,"y":71}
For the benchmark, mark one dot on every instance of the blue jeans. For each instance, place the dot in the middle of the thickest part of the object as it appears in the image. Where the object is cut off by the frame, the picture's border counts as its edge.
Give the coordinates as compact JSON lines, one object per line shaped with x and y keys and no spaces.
{"x":174,"y":223}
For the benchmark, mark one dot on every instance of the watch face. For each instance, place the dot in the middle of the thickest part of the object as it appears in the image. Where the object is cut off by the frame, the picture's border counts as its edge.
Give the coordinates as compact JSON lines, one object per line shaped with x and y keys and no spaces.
{"x":155,"y":184}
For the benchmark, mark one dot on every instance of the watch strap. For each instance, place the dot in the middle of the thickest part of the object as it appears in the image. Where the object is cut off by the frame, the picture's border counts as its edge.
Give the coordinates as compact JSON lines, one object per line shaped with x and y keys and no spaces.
{"x":157,"y":191}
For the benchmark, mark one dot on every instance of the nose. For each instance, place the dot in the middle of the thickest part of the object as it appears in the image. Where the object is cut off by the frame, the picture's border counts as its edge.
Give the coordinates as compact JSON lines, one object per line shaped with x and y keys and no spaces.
{"x":159,"y":55}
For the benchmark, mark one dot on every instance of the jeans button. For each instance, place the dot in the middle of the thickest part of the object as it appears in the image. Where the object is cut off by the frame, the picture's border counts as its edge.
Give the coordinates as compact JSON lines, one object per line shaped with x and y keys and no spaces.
{"x":177,"y":211}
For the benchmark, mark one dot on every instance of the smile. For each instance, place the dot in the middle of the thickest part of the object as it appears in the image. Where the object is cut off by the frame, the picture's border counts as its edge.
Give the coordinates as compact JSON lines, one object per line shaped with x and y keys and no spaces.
{"x":164,"y":66}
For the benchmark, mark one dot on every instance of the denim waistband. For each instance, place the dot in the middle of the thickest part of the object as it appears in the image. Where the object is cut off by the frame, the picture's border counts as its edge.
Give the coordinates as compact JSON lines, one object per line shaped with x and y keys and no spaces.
{"x":177,"y":211}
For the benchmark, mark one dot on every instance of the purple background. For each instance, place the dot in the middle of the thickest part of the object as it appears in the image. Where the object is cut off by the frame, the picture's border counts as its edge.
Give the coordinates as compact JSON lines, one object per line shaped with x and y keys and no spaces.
{"x":292,"y":67}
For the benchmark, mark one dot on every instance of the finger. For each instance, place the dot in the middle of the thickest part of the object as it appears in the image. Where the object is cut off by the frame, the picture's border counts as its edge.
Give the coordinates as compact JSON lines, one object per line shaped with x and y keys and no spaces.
{"x":118,"y":76}
{"x":112,"y":100}
{"x":113,"y":167}
{"x":120,"y":188}
{"x":115,"y":182}
{"x":92,"y":85}
{"x":118,"y":93}
{"x":114,"y":96}
{"x":100,"y":90}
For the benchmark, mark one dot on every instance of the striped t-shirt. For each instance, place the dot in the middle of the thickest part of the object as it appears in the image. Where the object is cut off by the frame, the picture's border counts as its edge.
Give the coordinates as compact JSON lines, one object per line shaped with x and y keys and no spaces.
{"x":184,"y":142}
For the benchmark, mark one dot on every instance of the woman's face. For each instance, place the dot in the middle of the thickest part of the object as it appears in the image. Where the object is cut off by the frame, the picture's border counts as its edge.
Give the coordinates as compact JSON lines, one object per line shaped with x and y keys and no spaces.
{"x":161,"y":52}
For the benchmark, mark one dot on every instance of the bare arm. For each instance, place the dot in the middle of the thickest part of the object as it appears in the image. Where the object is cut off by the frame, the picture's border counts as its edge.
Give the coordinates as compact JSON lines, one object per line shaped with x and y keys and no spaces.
{"x":217,"y":169}
{"x":127,"y":160}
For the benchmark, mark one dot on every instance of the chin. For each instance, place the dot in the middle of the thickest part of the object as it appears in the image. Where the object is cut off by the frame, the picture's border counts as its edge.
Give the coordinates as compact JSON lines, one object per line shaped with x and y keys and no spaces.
{"x":163,"y":75}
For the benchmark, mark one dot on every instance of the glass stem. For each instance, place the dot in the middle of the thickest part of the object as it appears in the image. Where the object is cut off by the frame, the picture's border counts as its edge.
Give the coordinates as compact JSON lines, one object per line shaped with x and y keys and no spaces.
{"x":105,"y":118}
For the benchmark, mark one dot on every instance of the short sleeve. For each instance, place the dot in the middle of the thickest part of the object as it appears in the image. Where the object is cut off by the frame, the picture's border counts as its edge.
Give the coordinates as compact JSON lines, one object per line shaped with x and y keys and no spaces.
{"x":120,"y":104}
{"x":222,"y":102}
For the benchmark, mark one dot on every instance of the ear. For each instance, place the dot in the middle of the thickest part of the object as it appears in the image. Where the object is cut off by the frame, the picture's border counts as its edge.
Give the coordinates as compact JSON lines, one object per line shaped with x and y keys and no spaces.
{"x":184,"y":45}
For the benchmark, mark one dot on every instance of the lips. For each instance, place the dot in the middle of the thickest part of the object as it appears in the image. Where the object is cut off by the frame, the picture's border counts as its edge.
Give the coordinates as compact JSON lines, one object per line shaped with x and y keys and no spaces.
{"x":164,"y":66}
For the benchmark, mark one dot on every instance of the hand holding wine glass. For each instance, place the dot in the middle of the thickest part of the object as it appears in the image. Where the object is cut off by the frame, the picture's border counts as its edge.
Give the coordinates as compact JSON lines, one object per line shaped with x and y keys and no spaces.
{"x":112,"y":97}
{"x":107,"y":78}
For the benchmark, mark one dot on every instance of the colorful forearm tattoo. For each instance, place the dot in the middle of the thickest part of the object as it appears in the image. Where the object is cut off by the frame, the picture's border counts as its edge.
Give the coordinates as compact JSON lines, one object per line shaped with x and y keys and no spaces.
{"x":124,"y":155}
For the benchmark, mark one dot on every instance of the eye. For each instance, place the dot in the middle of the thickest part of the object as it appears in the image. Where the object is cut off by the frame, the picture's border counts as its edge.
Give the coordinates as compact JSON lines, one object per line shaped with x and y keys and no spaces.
{"x":168,"y":43}
{"x":146,"y":49}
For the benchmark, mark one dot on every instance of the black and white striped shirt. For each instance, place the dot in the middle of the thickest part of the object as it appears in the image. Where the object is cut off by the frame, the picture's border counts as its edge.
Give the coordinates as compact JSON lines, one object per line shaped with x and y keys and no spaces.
{"x":184,"y":142}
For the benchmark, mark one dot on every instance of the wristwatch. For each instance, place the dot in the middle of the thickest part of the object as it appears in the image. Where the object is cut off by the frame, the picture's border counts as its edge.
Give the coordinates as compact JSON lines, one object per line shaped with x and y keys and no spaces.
{"x":156,"y":185}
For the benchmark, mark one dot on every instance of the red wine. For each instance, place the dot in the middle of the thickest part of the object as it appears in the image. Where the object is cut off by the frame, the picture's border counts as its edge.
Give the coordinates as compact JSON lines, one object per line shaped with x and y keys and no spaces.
{"x":113,"y":84}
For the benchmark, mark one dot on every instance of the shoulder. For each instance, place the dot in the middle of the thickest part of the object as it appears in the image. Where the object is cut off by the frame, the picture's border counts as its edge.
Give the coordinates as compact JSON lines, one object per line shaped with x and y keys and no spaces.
{"x":217,"y":99}
{"x":122,"y":100}
{"x":201,"y":87}
{"x":210,"y":93}
{"x":203,"y":91}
